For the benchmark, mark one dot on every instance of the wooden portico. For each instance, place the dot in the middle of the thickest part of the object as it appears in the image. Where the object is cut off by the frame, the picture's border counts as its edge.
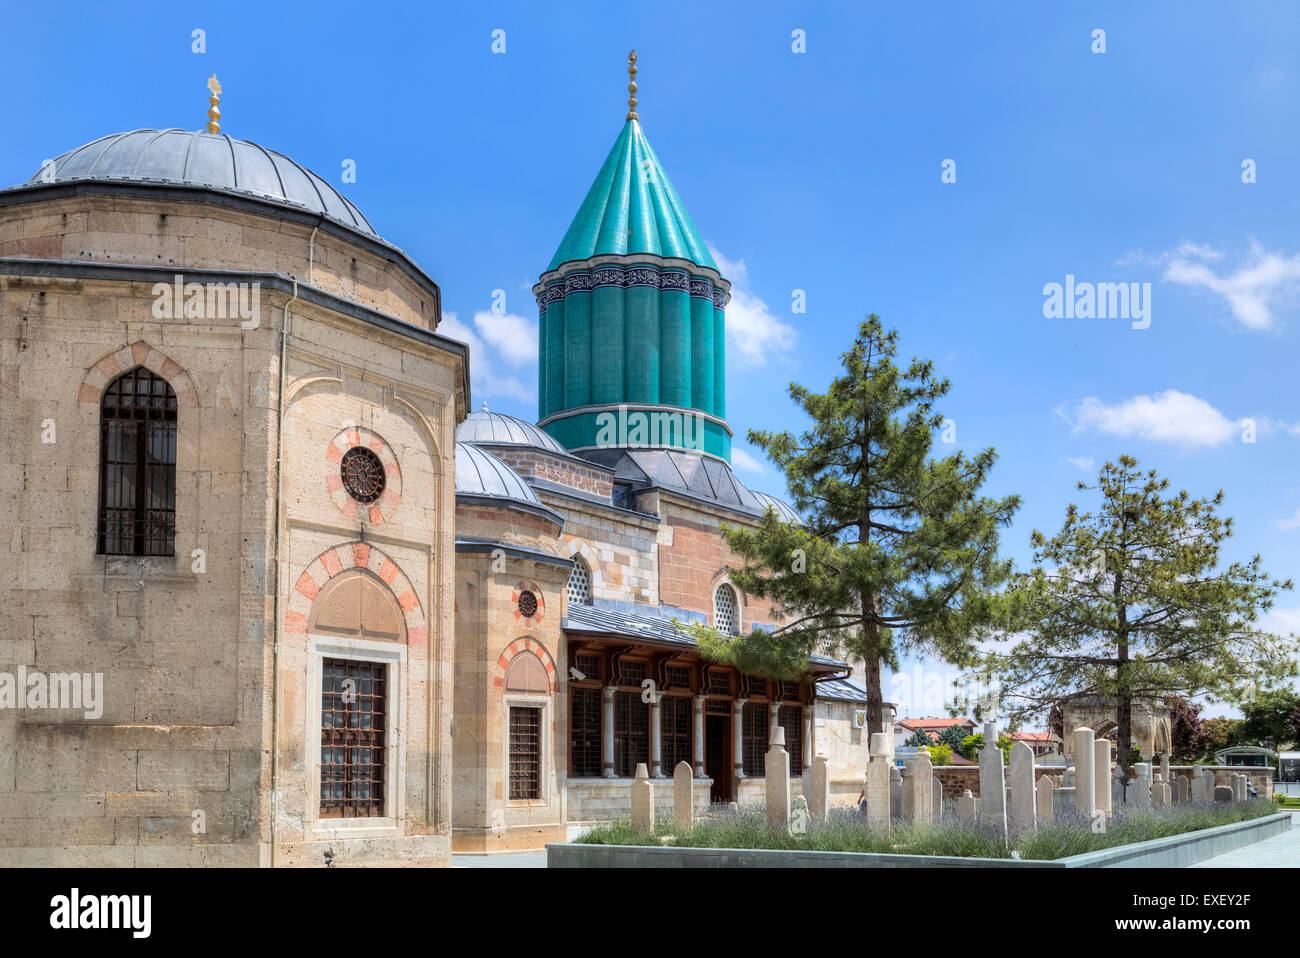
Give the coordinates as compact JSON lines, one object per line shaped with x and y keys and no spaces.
{"x":639,"y":692}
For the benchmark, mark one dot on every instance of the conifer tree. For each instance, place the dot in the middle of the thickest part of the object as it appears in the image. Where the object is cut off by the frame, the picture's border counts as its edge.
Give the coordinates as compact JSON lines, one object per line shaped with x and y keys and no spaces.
{"x":1129,"y":601}
{"x":898,"y":551}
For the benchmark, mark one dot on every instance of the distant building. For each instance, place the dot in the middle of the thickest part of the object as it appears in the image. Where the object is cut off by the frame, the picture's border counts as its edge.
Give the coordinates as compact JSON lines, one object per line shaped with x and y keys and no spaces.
{"x":904,"y":729}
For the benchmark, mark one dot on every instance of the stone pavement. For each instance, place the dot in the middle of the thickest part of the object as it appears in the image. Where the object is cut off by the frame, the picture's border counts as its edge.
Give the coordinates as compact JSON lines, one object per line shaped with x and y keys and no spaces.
{"x":1280,"y":851}
{"x":505,"y":860}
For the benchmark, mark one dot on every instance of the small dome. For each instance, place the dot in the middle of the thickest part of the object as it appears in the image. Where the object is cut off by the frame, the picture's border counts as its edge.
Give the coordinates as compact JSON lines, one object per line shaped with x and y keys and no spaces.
{"x":494,"y":429}
{"x":783,"y":510}
{"x":479,"y":473}
{"x":196,"y":159}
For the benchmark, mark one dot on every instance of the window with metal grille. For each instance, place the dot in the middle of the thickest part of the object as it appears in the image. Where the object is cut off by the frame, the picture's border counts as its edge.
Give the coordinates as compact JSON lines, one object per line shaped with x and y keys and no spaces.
{"x":677,"y":678}
{"x":789,"y":691}
{"x":589,"y":666}
{"x":137,"y":466}
{"x":525,"y":753}
{"x":353,"y":698}
{"x":631,"y":673}
{"x":753,"y":724}
{"x":631,"y":733}
{"x":719,"y":682}
{"x":580,"y":583}
{"x":584,"y":732}
{"x":790,"y":718}
{"x":726,"y":617}
{"x":718,"y":707}
{"x":676,"y":732}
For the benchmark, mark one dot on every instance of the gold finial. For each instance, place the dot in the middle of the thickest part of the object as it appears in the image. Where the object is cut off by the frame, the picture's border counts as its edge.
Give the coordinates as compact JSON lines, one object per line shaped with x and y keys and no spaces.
{"x":631,"y":86}
{"x":214,"y":115}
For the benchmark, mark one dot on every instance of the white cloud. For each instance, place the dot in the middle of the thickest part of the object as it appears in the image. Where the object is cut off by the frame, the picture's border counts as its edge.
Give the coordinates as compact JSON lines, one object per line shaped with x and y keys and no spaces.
{"x":754,"y":334}
{"x":1083,"y":462}
{"x":1264,"y":281}
{"x":1171,"y":416}
{"x":485,"y":380}
{"x":1292,"y":523}
{"x":1281,"y":621}
{"x":514,"y":337}
{"x":743,"y":460}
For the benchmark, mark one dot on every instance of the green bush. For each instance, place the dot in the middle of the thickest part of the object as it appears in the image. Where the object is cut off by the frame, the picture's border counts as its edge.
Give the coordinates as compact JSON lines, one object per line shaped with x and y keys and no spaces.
{"x":940,"y":755}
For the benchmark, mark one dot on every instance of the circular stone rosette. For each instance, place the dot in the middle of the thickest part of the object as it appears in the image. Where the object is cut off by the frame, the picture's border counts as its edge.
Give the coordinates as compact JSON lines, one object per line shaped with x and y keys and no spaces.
{"x":529,"y":606}
{"x":381,"y":508}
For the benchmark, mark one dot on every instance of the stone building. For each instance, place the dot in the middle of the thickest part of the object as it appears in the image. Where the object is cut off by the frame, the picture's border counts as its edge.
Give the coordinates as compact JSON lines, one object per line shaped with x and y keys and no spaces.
{"x":315,"y":609}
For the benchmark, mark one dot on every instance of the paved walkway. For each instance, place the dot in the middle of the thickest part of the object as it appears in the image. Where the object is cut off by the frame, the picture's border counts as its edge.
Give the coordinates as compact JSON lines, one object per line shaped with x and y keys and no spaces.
{"x":505,"y":860}
{"x":1280,"y":851}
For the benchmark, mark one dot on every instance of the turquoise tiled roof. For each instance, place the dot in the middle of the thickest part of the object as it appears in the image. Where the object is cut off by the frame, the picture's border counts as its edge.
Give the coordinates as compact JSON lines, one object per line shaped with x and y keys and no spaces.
{"x":632,"y":208}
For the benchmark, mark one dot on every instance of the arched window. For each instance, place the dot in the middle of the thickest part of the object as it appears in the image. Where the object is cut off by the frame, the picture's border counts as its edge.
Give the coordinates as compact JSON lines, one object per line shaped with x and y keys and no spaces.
{"x":726,"y":611}
{"x":137,"y":466}
{"x":580,"y":583}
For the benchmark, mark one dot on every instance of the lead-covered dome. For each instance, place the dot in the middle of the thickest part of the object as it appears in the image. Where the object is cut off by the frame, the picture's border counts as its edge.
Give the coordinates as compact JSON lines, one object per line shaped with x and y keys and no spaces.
{"x":199,"y":160}
{"x":494,"y":429}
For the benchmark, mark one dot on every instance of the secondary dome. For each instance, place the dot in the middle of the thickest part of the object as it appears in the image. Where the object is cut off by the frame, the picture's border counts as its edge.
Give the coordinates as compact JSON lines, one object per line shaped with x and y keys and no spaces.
{"x":783,"y":510}
{"x":199,"y":160}
{"x":494,"y":429}
{"x":479,"y":473}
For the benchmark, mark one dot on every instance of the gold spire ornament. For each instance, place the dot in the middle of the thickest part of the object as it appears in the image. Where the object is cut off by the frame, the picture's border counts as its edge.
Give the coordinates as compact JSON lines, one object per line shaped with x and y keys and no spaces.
{"x":214,"y":115}
{"x":631,"y":86}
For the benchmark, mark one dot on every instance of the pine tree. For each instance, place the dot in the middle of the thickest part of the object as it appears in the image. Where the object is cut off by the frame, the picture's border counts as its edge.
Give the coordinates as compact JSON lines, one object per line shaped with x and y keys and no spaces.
{"x":898,"y":550}
{"x":1129,"y":601}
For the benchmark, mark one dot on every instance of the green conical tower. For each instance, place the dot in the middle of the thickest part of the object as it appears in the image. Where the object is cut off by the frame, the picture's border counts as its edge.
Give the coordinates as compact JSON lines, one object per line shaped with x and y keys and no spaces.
{"x":632,"y":351}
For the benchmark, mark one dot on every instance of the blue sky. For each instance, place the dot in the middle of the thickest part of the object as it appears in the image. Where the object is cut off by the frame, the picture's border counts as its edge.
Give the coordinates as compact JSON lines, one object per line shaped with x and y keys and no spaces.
{"x":815,"y":171}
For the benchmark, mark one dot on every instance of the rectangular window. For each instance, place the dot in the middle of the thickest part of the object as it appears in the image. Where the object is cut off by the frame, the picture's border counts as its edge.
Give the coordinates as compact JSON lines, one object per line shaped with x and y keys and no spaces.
{"x":353,"y":699}
{"x":525,"y":753}
{"x":719,"y":682}
{"x":790,"y":718}
{"x":631,"y":673}
{"x":631,"y":733}
{"x":676,"y":732}
{"x":584,"y":733}
{"x":753,"y":723}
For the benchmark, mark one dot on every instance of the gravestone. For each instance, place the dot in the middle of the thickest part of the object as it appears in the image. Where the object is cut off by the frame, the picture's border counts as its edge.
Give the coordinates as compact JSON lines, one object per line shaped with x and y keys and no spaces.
{"x":1067,"y":779}
{"x":1085,"y":785}
{"x":936,"y":799}
{"x":1140,"y":788}
{"x":1181,"y":788}
{"x":1164,"y":768}
{"x":777,"y":769}
{"x":1157,"y":792}
{"x":799,"y":816}
{"x":895,"y":791}
{"x":1208,"y":775}
{"x":1022,"y":813}
{"x":877,"y":790}
{"x":966,"y":806}
{"x":1101,"y":773}
{"x":918,"y":791}
{"x":993,"y":788}
{"x":1167,"y":798}
{"x":819,"y":801}
{"x":1222,"y":793}
{"x":1238,"y":788}
{"x":1118,"y":793}
{"x":643,"y":801}
{"x":1199,"y":793}
{"x":1063,"y":803}
{"x":683,"y":803}
{"x":1043,"y":796}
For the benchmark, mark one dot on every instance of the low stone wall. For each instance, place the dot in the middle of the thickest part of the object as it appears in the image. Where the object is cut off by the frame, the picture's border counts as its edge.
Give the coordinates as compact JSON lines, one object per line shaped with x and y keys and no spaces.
{"x":1173,"y":852}
{"x":606,"y":799}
